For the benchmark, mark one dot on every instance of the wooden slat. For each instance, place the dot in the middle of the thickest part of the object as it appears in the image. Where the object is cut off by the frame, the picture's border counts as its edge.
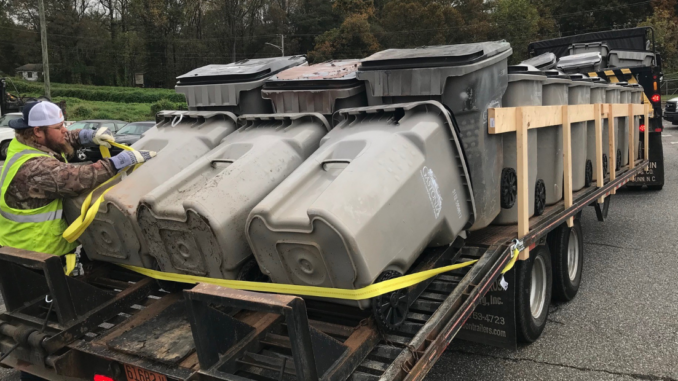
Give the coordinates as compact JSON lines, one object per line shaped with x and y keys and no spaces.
{"x":612,"y":153}
{"x":630,"y":122}
{"x":523,"y":183}
{"x":502,"y":120}
{"x":647,"y":133}
{"x":567,"y":161}
{"x":600,"y":178}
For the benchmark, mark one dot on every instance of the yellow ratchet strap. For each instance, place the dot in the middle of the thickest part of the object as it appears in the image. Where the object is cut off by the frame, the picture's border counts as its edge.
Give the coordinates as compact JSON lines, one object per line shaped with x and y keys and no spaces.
{"x":325,"y":292}
{"x":514,"y":258}
{"x":71,"y":260}
{"x":88,"y":213}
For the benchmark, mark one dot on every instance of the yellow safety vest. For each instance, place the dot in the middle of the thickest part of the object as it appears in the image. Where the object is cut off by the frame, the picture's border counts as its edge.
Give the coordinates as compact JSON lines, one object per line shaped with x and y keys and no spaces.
{"x":38,"y":229}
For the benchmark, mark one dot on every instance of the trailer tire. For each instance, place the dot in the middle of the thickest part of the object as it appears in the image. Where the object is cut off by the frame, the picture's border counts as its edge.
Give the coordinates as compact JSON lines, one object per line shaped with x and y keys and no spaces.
{"x":567,"y":256}
{"x":533,"y":294}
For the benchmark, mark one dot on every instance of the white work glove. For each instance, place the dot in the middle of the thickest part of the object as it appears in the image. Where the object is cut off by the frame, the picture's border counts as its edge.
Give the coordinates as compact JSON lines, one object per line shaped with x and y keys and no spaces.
{"x":128,"y":158}
{"x":101,"y":137}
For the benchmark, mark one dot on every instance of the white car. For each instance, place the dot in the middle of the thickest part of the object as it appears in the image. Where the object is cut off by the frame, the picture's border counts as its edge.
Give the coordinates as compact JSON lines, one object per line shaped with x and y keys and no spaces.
{"x":6,"y":133}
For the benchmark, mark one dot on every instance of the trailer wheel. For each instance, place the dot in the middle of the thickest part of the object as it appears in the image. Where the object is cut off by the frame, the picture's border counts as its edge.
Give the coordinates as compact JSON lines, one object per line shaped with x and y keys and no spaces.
{"x":539,"y":198}
{"x":604,"y":165}
{"x":588,"y":177}
{"x":390,"y":309}
{"x":567,"y":254}
{"x":533,"y":294}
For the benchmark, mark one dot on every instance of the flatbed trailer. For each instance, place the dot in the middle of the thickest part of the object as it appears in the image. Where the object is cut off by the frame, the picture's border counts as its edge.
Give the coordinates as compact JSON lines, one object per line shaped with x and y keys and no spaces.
{"x":115,"y":324}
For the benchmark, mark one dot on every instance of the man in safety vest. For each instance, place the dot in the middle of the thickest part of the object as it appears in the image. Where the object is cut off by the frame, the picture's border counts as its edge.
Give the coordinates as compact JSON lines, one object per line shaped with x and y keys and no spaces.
{"x":36,"y":177}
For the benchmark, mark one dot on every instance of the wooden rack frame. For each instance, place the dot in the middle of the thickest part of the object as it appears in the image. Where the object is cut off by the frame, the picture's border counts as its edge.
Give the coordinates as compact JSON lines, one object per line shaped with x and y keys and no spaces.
{"x":522,"y":119}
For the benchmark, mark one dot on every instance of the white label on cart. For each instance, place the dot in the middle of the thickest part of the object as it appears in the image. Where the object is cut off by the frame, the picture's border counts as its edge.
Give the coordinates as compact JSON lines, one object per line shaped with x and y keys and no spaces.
{"x":433,"y":190}
{"x":491,"y":122}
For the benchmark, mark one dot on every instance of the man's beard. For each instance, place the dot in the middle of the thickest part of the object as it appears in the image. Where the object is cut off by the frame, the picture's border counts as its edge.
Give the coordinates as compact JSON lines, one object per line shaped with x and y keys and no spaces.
{"x":63,"y":148}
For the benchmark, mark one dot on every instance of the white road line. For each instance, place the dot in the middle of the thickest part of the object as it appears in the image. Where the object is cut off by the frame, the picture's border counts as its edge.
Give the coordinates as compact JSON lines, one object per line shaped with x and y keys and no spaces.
{"x":666,"y":135}
{"x":674,"y":142}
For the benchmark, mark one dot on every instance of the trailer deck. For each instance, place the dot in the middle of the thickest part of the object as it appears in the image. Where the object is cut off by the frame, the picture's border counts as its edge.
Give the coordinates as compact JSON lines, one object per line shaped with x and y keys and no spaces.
{"x":136,"y":331}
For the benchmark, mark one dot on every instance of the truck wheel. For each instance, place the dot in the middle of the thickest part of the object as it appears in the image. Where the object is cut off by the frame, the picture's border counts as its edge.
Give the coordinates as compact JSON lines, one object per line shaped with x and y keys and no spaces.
{"x":4,"y":146}
{"x":533,"y":294}
{"x":567,"y":255}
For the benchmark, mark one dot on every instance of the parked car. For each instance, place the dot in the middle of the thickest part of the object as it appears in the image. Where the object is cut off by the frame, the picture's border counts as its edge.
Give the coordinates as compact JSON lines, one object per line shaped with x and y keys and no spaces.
{"x":671,"y":110}
{"x":113,"y":125}
{"x":6,"y":133}
{"x":129,"y":134}
{"x":93,"y":154}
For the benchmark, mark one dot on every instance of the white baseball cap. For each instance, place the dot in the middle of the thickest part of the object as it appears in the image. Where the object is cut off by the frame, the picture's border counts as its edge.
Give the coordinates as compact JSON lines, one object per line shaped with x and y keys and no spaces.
{"x":38,"y":114}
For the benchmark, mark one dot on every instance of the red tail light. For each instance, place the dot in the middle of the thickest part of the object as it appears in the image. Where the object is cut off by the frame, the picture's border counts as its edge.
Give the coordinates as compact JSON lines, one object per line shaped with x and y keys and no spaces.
{"x":101,"y":377}
{"x":642,"y":128}
{"x":656,"y":98}
{"x":657,"y":130}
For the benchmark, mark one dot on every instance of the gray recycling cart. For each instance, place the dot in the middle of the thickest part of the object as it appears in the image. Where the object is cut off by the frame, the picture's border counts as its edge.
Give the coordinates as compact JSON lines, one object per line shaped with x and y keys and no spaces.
{"x":581,"y":63}
{"x":589,"y":47}
{"x":580,"y":93}
{"x":524,"y":89}
{"x":627,"y":58}
{"x":546,"y":61}
{"x":386,"y":182}
{"x":235,"y":87}
{"x":550,"y":139}
{"x":323,"y":88}
{"x":467,"y":78}
{"x":623,"y":128}
{"x":597,"y":96}
{"x":194,"y":222}
{"x":612,"y":95}
{"x":181,"y":138}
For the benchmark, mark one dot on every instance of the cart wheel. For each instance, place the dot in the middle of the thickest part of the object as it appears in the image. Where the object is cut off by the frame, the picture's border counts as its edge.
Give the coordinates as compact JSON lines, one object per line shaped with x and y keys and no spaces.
{"x":604,"y":165}
{"x":390,"y":310}
{"x":588,"y":178}
{"x":4,"y":147}
{"x":567,"y":254}
{"x":539,"y":198}
{"x":533,"y":294}
{"x":509,"y":187}
{"x":619,"y":159}
{"x":250,"y":271}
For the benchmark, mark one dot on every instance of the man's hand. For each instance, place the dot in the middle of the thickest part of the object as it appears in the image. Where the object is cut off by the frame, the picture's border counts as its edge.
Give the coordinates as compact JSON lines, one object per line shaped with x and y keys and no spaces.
{"x":128,"y":158}
{"x":101,"y":137}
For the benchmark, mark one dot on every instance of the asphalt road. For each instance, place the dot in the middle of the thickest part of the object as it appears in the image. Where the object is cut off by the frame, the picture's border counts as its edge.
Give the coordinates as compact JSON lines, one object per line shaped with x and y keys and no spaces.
{"x":623,"y":324}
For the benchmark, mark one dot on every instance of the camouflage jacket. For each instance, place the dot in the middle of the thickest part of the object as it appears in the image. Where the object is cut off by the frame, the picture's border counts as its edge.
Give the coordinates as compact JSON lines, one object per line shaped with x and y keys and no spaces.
{"x":41,"y":180}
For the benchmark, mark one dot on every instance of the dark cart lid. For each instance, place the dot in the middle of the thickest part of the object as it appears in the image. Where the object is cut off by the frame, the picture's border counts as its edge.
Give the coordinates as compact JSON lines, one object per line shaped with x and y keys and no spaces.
{"x":326,"y":75}
{"x":241,"y":71}
{"x":434,"y":56}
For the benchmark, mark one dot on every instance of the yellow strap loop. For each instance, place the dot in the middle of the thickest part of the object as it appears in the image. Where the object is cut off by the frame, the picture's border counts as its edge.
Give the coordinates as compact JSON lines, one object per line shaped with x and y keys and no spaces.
{"x":88,"y":213}
{"x":325,"y":292}
{"x":71,"y":260}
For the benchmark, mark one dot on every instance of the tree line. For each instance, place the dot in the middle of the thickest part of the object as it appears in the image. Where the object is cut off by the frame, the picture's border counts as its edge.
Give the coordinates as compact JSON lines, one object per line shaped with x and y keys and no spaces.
{"x":105,"y":42}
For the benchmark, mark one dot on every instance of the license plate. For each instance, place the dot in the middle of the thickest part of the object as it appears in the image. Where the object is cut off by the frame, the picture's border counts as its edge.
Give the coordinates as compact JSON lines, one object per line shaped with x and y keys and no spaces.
{"x":137,"y":374}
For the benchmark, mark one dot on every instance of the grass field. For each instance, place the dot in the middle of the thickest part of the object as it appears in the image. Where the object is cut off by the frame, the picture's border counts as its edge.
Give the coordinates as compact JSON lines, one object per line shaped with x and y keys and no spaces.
{"x":104,"y":102}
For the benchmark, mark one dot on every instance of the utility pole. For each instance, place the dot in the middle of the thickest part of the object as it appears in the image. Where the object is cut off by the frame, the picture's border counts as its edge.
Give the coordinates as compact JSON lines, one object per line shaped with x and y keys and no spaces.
{"x":282,"y":44}
{"x":43,"y":39}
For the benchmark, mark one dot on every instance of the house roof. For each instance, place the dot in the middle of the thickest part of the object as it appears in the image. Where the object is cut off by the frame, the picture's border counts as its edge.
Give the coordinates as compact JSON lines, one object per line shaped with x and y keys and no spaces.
{"x":30,"y":67}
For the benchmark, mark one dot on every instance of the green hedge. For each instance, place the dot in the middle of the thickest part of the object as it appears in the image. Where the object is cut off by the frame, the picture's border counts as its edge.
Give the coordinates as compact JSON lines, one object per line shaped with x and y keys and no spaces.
{"x":99,"y":93}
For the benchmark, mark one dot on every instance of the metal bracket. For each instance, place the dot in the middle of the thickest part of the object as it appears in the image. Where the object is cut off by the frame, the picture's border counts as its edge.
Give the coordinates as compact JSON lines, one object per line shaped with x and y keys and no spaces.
{"x":601,"y":213}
